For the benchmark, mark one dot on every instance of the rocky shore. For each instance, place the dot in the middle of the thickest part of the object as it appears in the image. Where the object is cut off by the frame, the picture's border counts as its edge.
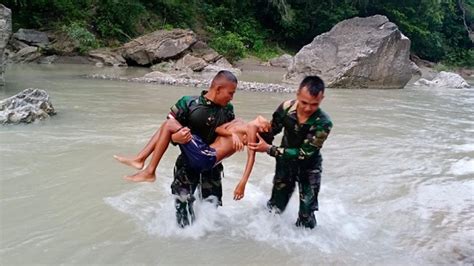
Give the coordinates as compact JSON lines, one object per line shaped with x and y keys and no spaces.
{"x":166,"y":79}
{"x":356,"y":53}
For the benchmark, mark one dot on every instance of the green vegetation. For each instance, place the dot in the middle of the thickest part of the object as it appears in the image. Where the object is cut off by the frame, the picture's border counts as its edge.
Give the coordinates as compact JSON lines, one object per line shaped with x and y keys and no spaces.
{"x":439,"y":29}
{"x":84,"y":38}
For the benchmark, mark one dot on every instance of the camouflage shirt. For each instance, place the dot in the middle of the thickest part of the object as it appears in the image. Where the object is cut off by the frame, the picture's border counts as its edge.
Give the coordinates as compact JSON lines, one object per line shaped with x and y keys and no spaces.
{"x":201,"y":115}
{"x":300,"y":141}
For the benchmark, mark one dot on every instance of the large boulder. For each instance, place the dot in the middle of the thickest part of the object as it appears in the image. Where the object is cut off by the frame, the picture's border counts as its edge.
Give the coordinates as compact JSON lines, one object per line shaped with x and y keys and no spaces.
{"x":5,"y":33}
{"x":202,"y":50}
{"x":366,"y":52}
{"x":31,"y":37}
{"x":284,"y":61}
{"x":158,"y":46}
{"x":444,"y":80}
{"x":191,"y":62}
{"x":26,"y":55}
{"x":222,"y":64}
{"x":26,"y":107}
{"x":107,"y":57}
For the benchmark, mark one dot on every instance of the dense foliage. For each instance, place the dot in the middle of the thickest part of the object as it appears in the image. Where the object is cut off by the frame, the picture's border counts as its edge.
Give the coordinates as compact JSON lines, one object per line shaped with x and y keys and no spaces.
{"x":439,"y":29}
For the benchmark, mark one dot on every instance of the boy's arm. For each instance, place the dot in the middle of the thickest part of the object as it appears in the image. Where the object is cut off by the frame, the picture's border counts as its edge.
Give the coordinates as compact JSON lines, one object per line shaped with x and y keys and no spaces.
{"x":251,"y":137}
{"x":223,"y":130}
{"x":230,"y":129}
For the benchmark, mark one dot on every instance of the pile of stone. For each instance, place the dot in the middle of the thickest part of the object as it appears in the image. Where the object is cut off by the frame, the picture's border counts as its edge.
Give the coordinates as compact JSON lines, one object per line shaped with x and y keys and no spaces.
{"x":26,"y":107}
{"x":444,"y":80}
{"x":185,"y":80}
{"x":175,"y":51}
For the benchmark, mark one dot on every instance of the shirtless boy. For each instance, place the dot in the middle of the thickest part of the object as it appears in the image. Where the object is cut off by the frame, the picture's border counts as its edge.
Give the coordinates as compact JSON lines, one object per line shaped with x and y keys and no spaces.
{"x":232,"y":136}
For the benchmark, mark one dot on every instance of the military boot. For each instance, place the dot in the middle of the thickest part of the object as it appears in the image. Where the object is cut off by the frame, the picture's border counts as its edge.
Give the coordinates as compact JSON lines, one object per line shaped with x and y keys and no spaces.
{"x":306,"y":221}
{"x":184,"y":211}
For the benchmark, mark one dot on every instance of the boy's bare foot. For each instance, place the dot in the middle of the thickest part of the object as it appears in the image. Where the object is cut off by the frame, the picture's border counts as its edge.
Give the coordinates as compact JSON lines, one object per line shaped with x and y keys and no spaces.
{"x":135,"y":163}
{"x":142,"y":176}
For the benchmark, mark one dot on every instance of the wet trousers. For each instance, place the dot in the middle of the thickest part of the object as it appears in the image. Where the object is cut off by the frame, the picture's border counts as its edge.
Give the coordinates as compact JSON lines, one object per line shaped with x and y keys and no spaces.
{"x":308,"y":177}
{"x":186,"y":181}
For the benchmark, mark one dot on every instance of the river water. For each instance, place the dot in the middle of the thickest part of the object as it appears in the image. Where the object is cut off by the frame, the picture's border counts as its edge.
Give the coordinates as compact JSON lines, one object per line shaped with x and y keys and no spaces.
{"x":397,"y":186}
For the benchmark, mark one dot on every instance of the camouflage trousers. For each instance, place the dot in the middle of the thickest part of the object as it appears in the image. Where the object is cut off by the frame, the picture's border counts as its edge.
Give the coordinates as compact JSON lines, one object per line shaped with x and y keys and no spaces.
{"x":308,"y":177}
{"x":186,"y":181}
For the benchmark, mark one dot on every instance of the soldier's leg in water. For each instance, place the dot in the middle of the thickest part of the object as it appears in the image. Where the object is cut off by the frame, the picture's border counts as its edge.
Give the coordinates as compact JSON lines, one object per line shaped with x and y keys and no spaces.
{"x":211,"y":184}
{"x":283,"y":186}
{"x":183,"y":187}
{"x":309,"y":183}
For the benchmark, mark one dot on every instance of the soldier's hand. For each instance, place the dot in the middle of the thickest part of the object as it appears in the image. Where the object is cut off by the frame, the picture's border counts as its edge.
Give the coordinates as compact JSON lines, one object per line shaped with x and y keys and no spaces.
{"x":183,"y":136}
{"x":261,"y":146}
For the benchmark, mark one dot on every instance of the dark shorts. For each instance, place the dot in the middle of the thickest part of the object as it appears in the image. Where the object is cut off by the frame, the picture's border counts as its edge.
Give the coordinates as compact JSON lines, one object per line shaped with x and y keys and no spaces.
{"x":199,"y":155}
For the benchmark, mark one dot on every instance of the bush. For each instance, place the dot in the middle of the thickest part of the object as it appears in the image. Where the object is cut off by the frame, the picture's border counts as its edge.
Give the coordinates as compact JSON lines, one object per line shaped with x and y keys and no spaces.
{"x":118,"y":19}
{"x":84,"y":38}
{"x":229,"y":44}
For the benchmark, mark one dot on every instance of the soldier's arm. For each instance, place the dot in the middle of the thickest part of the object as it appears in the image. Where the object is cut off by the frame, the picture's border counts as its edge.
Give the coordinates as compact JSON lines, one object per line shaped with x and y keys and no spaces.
{"x":277,"y":120}
{"x":312,"y":144}
{"x":180,"y":112}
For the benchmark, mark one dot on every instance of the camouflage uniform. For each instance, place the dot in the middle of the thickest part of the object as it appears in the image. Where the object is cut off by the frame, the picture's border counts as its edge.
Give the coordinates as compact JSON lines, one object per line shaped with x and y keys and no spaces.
{"x":298,"y":159}
{"x":202,"y":116}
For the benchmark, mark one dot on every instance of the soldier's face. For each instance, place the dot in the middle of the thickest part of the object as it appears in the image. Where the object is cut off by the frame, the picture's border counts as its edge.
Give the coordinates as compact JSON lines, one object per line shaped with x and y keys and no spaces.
{"x":307,"y":103}
{"x":225,"y":93}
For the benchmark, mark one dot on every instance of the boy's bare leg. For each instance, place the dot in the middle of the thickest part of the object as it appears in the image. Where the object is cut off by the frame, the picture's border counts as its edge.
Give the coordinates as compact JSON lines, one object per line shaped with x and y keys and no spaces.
{"x":139,"y":161}
{"x":163,"y":139}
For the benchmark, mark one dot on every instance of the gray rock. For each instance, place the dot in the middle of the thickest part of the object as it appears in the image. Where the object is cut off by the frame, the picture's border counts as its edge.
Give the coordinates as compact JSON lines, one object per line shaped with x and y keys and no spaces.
{"x":202,"y":50}
{"x":26,"y":107}
{"x":188,"y":61}
{"x":356,"y":53}
{"x":47,"y":60}
{"x":108,"y":57}
{"x":158,"y":46}
{"x":5,"y":33}
{"x":223,"y":63}
{"x":17,"y":45}
{"x":27,"y":54}
{"x":284,"y":61}
{"x":32,"y":37}
{"x":165,"y":66}
{"x":444,"y":80}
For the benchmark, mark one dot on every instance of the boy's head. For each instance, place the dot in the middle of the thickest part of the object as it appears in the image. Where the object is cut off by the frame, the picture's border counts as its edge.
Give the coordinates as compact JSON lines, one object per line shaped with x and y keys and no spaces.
{"x":310,"y":94}
{"x":263,"y":125}
{"x":223,"y":87}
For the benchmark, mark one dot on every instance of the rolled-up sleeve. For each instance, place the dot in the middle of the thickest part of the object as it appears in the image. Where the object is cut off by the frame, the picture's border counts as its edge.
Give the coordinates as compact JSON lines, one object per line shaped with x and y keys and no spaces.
{"x":314,"y":141}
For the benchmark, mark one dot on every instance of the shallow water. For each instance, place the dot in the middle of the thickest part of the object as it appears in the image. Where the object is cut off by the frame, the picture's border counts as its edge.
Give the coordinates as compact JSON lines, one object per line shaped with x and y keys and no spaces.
{"x":397,"y":185}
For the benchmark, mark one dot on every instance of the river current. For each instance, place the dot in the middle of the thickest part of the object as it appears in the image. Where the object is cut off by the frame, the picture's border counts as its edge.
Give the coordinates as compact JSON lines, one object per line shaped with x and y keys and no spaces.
{"x":397,"y":185}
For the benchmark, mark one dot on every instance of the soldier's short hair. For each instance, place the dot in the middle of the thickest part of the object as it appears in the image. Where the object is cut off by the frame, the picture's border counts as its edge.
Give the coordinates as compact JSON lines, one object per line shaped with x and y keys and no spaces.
{"x":313,"y":84}
{"x":226,"y":74}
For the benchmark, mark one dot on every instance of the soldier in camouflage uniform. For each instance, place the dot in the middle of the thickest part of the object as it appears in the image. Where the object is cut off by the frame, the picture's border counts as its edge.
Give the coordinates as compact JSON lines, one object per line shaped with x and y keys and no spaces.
{"x":194,"y":115}
{"x":202,"y":115}
{"x":298,"y":158}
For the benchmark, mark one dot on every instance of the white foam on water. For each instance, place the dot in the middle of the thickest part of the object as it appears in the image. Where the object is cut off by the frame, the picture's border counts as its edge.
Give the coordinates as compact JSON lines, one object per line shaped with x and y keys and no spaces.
{"x":464,"y":147}
{"x":465,"y":166}
{"x":248,"y":219}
